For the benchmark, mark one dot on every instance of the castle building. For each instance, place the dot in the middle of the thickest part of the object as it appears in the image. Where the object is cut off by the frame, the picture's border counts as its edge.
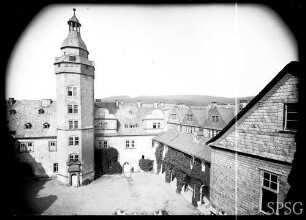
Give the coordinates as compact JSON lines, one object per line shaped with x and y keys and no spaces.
{"x":252,"y":157}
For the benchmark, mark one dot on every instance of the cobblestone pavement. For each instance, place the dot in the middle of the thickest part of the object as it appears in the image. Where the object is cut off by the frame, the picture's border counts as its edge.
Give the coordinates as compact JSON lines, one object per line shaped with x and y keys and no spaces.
{"x":141,"y":193}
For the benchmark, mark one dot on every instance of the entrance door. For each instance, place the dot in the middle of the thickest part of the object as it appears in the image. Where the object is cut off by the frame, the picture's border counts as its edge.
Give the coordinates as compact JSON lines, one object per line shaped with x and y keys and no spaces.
{"x":74,"y":180}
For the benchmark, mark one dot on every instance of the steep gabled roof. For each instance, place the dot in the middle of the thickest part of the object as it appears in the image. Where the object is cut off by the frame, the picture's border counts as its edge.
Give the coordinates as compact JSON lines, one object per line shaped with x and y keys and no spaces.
{"x":292,"y":68}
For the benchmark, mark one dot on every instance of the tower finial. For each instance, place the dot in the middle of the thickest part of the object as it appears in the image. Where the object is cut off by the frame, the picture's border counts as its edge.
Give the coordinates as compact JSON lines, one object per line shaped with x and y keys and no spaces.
{"x":74,"y":11}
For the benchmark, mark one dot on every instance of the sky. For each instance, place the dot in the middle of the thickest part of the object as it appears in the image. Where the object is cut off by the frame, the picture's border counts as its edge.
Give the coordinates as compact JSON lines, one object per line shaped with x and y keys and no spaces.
{"x":219,"y":50}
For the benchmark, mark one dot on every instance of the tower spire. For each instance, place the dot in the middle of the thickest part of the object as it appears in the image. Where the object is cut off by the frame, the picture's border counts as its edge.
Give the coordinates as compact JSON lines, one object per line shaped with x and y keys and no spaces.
{"x":74,"y":12}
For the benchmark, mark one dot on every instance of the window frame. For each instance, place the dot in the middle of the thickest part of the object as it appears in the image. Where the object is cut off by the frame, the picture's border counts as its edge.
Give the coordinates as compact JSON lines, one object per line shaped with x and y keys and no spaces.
{"x":73,"y":90}
{"x":73,"y":124}
{"x":52,"y":148}
{"x":285,"y":127}
{"x":27,"y":145}
{"x":55,"y":167}
{"x":73,"y":141}
{"x":72,"y":108}
{"x":262,"y":186}
{"x":73,"y":157}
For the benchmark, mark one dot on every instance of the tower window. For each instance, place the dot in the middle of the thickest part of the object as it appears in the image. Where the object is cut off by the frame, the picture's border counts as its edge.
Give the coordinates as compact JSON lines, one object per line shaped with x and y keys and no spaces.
{"x":73,"y":124}
{"x":72,"y":91}
{"x":73,"y":158}
{"x":73,"y":141}
{"x":72,"y":108}
{"x":28,"y":126}
{"x":72,"y":58}
{"x":41,"y":111}
{"x":46,"y":125}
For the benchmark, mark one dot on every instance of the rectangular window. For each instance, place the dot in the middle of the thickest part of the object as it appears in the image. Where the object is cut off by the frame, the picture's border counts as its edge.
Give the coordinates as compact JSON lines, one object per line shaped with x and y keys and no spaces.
{"x":291,"y":116}
{"x":100,"y":144}
{"x":73,"y":124}
{"x":25,"y":147}
{"x":76,"y":157}
{"x":154,"y":124}
{"x":76,"y":124}
{"x":189,"y":117}
{"x":105,"y":125}
{"x":104,"y":144}
{"x":75,"y":108}
{"x":269,"y":192}
{"x":133,"y":143}
{"x":173,"y":116}
{"x":70,"y":124}
{"x":55,"y":167}
{"x":52,"y":146}
{"x":76,"y":140}
{"x":215,"y":119}
{"x":158,"y":125}
{"x":72,"y":108}
{"x":71,"y":140}
{"x":72,"y":91}
{"x":127,"y":144}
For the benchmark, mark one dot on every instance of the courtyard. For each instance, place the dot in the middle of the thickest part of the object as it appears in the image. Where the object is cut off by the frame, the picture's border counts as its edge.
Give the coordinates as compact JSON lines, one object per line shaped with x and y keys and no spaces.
{"x":142,"y":193}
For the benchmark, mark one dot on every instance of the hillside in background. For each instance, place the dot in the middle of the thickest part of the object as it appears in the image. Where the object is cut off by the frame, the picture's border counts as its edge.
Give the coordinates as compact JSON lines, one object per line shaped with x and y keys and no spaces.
{"x":194,"y":100}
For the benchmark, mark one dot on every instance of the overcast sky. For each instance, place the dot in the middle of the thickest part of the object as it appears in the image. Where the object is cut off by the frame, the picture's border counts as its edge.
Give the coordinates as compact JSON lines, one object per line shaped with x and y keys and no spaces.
{"x":157,"y":50}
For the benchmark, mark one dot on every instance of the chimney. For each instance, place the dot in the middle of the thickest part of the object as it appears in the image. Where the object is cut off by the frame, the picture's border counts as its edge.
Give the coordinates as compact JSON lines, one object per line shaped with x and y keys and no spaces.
{"x":46,"y":102}
{"x":155,"y":104}
{"x":121,"y":104}
{"x":139,"y":104}
{"x":242,"y":104}
{"x":11,"y":101}
{"x":117,"y":103}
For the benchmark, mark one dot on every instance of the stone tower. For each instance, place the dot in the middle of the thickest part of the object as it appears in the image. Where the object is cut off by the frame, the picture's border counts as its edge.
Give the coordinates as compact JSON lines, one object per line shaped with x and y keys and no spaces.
{"x":75,"y":108}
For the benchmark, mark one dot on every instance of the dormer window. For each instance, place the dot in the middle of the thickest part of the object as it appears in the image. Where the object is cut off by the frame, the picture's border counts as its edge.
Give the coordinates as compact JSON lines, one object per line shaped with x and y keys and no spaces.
{"x":173,"y":116}
{"x":189,"y":117}
{"x":28,"y":126}
{"x":12,"y":112}
{"x":215,"y":119}
{"x":41,"y":111}
{"x":46,"y":125}
{"x":72,"y":58}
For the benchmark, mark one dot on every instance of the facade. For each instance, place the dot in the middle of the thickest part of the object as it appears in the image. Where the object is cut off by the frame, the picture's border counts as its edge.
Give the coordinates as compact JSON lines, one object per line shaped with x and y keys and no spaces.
{"x":130,"y":128}
{"x":251,"y":160}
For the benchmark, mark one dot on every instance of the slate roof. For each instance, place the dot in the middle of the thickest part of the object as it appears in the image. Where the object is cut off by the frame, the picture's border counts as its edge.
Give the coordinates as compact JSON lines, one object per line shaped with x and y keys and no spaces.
{"x":74,"y":40}
{"x":292,"y":67}
{"x":185,"y":142}
{"x":226,"y":114}
{"x":27,"y":112}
